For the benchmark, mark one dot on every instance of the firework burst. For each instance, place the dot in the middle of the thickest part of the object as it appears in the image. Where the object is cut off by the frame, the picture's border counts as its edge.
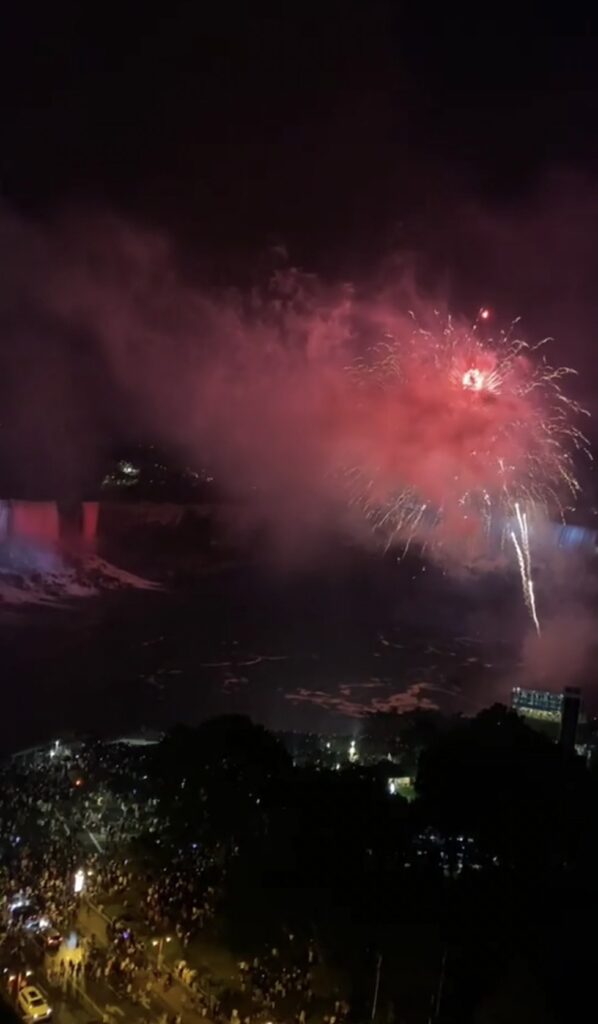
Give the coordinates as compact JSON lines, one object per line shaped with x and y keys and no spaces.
{"x":472,"y":434}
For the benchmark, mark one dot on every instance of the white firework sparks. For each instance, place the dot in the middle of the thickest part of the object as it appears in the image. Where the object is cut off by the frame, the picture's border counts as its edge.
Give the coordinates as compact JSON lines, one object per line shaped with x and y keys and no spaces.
{"x":522,"y":550}
{"x":472,"y":435}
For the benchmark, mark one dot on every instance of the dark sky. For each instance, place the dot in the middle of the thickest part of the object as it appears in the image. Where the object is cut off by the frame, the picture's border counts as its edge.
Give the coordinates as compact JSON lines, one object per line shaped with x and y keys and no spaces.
{"x":334,"y":127}
{"x":345,"y":131}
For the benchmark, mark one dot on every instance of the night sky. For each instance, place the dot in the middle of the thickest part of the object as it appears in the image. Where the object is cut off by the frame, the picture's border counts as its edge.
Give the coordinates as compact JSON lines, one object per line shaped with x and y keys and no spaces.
{"x":348,"y":133}
{"x":347,"y":136}
{"x":338,"y":129}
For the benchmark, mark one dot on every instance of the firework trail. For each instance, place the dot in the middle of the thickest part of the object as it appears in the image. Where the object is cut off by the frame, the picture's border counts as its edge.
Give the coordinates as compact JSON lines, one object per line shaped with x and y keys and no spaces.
{"x":522,"y":550}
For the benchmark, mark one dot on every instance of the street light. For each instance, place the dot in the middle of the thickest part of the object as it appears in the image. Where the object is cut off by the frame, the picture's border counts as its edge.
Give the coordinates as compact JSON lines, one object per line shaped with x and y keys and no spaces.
{"x":160,"y":944}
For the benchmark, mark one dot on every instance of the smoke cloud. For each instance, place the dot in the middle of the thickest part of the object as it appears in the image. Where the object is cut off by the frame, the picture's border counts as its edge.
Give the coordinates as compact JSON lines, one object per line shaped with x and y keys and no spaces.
{"x":288,"y":390}
{"x":562,"y":652}
{"x":278,"y":389}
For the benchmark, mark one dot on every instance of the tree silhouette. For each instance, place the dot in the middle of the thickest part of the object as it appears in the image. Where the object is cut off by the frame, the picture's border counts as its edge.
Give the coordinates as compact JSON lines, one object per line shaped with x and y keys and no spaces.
{"x":494,"y":778}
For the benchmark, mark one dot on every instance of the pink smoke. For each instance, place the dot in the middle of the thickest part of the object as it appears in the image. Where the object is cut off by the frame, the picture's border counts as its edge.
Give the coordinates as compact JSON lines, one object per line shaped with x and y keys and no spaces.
{"x":285,"y":391}
{"x":564,"y":649}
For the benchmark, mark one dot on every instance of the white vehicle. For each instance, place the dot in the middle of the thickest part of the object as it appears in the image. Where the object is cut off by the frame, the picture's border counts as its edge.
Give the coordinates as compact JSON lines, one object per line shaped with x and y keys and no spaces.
{"x":32,"y":1005}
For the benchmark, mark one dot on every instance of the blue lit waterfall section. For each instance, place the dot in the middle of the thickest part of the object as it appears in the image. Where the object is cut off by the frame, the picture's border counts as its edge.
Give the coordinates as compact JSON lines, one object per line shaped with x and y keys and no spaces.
{"x":575,"y":537}
{"x":561,"y":536}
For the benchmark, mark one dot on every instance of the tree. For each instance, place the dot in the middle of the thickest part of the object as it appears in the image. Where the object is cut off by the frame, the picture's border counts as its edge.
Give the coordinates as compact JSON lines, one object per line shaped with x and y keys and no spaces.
{"x":494,"y":778}
{"x":517,"y":999}
{"x":221,"y":777}
{"x":405,"y":735}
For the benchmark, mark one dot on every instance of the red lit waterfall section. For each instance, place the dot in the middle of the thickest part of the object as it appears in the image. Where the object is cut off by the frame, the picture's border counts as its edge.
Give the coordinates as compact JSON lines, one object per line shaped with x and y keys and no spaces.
{"x":89,"y":526}
{"x":36,"y":521}
{"x":43,"y":524}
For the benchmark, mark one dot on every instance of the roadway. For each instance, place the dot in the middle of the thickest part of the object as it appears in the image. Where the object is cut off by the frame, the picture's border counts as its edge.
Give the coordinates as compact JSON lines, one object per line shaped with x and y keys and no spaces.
{"x":159,"y":1001}
{"x":90,"y":999}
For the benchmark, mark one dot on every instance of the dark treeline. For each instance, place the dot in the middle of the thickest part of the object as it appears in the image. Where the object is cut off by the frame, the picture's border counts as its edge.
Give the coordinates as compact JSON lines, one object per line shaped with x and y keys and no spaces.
{"x":473,"y":898}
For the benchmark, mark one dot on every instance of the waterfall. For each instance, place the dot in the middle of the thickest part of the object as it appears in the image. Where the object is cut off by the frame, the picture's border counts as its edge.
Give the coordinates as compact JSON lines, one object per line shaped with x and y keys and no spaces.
{"x":35,"y":521}
{"x":4,"y":520}
{"x":89,"y":530}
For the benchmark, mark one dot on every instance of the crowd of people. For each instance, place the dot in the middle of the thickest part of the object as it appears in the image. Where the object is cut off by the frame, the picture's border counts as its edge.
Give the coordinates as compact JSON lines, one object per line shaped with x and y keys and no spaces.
{"x":184,"y":896}
{"x":39,"y":854}
{"x":60,"y":817}
{"x":281,"y":981}
{"x":120,"y":968}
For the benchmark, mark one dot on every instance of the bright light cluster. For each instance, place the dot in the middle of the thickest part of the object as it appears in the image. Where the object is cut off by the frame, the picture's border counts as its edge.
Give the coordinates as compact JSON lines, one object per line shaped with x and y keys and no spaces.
{"x":474,"y":379}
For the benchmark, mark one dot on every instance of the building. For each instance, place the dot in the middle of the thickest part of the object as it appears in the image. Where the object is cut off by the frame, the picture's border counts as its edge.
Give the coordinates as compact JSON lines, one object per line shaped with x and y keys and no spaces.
{"x":540,"y":704}
{"x":570,"y":717}
{"x":556,"y":714}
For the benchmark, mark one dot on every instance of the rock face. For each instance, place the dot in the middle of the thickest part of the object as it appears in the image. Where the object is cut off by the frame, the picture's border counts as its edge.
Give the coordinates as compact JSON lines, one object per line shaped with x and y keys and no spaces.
{"x":47,"y":554}
{"x":28,"y":581}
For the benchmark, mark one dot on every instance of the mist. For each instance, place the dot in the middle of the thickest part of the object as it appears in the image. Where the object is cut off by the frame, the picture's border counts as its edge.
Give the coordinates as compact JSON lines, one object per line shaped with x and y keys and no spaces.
{"x":108,"y":332}
{"x":287,"y":389}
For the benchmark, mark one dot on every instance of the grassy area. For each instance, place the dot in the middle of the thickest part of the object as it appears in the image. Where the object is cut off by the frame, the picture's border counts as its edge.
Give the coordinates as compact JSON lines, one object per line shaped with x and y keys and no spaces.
{"x":213,"y":962}
{"x":406,"y":789}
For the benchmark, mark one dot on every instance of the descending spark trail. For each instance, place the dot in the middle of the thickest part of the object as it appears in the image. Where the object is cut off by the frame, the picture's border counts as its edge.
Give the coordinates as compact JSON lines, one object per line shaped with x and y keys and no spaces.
{"x":525,"y":567}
